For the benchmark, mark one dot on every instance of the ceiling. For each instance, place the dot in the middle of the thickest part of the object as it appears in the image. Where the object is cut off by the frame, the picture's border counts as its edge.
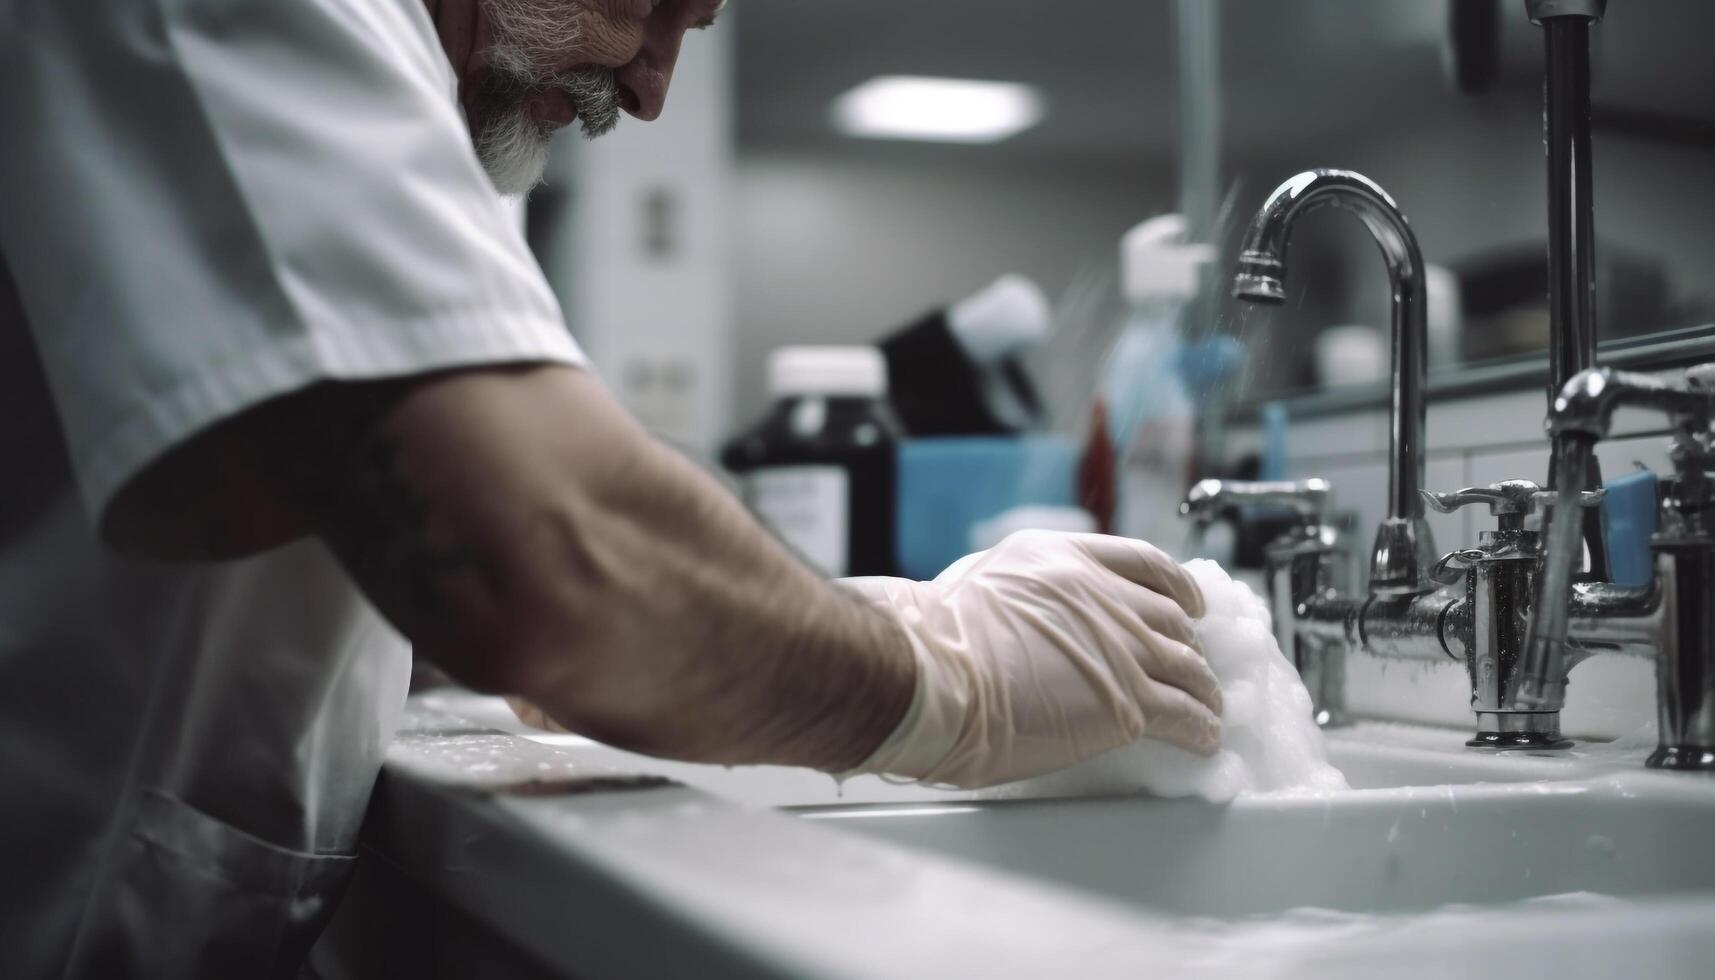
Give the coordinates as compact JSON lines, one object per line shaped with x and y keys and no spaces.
{"x":1294,"y":71}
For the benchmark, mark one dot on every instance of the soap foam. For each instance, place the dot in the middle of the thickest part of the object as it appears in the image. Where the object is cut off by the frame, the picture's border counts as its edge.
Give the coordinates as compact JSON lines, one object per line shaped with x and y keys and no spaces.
{"x":1269,"y":742}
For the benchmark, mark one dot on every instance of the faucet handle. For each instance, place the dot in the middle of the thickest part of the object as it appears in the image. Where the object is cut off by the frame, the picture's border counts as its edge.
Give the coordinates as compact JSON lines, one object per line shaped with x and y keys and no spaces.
{"x":1209,"y":499}
{"x":1586,"y":498}
{"x":1699,"y":376}
{"x":1509,"y":498}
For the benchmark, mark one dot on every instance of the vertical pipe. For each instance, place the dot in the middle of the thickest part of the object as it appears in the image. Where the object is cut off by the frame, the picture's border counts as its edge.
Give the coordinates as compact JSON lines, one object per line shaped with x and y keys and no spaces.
{"x":1686,"y":699}
{"x":1197,"y":33}
{"x":1571,"y":223}
{"x":1197,"y":29}
{"x":1542,"y":675}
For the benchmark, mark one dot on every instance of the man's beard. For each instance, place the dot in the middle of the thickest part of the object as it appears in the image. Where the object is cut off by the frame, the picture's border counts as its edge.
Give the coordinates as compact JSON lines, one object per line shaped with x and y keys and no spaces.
{"x":529,"y":35}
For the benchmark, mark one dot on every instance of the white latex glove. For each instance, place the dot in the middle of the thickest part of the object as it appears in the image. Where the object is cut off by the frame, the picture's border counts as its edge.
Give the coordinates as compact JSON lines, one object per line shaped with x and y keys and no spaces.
{"x":1042,"y":652}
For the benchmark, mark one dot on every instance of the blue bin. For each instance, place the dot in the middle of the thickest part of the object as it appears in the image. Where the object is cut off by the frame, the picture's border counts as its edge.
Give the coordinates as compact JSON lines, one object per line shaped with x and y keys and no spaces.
{"x":949,"y":485}
{"x":1628,"y":524}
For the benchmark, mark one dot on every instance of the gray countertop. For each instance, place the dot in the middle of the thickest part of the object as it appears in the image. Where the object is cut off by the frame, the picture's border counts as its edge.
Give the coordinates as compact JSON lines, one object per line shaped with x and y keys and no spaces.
{"x":593,"y":871}
{"x":601,"y":875}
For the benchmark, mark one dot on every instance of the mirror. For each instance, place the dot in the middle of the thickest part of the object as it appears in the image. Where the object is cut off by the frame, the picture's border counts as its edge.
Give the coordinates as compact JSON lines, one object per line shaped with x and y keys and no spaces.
{"x":1441,"y":103}
{"x":838,"y":239}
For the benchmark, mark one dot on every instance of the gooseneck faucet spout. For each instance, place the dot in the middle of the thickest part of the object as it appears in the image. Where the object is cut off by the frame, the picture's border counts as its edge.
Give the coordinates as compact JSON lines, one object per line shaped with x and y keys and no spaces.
{"x":1404,"y":549}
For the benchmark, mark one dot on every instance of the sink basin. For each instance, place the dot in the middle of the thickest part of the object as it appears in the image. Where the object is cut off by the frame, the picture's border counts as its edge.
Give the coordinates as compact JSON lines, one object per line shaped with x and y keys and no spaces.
{"x":1427,"y":824}
{"x":1373,"y":851}
{"x":1372,"y":756}
{"x":1576,"y":864}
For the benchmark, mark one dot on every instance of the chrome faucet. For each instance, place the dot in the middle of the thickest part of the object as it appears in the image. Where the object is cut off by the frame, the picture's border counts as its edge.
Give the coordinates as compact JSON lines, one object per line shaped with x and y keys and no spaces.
{"x":1512,"y":608}
{"x":1493,"y":616}
{"x":1485,"y":610}
{"x":1404,"y":548}
{"x":1509,"y":608}
{"x":1672,"y":619}
{"x":1302,"y":565}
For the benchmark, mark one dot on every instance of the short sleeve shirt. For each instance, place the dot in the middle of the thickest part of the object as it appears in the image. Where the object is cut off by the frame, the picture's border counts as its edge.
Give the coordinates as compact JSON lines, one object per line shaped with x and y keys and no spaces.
{"x":205,"y":204}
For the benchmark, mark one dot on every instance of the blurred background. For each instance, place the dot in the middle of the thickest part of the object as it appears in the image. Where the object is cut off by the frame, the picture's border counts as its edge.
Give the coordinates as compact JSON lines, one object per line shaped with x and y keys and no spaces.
{"x":765,"y":209}
{"x":790,"y":231}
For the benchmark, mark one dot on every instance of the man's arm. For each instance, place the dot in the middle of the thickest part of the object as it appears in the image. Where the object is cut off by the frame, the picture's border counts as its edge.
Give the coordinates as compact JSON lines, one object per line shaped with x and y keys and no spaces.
{"x":524,"y":533}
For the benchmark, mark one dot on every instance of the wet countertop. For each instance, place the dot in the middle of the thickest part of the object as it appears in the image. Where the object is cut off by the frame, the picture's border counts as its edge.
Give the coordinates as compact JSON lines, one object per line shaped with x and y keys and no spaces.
{"x":597,"y":871}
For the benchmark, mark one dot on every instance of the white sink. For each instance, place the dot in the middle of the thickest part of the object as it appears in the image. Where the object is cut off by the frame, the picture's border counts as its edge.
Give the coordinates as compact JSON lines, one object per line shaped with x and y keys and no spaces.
{"x":1372,"y":756}
{"x":1374,"y":851}
{"x":1582,"y":863}
{"x":1428,"y":823}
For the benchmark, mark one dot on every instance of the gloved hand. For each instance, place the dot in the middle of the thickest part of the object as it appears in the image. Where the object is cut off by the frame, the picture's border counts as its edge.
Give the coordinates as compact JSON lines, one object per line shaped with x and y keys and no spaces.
{"x":534,"y":717}
{"x":1042,"y":652}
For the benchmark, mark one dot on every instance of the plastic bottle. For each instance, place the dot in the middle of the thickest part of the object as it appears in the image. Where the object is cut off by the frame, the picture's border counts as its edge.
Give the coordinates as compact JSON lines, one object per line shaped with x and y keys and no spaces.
{"x":957,"y":371}
{"x":819,"y":469}
{"x":1150,"y":416}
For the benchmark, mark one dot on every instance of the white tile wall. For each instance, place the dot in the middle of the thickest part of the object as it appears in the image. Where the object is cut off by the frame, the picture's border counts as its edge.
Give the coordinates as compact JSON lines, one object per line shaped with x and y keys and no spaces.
{"x":1471,"y":442}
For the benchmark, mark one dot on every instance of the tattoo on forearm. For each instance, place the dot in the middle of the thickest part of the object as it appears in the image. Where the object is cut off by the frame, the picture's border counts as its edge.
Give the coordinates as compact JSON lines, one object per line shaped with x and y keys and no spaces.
{"x":405,"y":544}
{"x":392,"y":532}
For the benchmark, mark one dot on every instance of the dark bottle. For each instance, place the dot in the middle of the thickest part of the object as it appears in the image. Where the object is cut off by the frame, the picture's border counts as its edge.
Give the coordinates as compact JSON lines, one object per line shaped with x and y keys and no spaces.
{"x":957,"y":371}
{"x":819,"y":469}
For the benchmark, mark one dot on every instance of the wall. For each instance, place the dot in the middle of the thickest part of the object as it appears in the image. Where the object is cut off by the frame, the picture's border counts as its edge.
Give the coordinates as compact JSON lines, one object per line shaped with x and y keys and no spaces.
{"x":839,"y":247}
{"x":641,"y":256}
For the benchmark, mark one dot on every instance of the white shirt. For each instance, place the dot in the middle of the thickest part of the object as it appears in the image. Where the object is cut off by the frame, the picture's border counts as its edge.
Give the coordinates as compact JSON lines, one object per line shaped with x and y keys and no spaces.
{"x":205,"y":204}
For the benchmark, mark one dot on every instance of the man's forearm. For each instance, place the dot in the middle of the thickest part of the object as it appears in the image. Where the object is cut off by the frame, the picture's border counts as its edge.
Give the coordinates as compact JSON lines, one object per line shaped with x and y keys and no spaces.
{"x":700,"y":638}
{"x":528,"y":536}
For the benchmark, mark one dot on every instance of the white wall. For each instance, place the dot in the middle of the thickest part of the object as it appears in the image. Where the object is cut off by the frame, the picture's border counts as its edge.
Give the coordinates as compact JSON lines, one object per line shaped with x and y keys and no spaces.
{"x":841,"y":248}
{"x":658,"y":322}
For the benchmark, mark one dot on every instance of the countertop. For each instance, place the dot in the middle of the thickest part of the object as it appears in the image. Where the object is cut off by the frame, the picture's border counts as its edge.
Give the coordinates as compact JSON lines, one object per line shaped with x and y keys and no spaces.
{"x":598,"y":872}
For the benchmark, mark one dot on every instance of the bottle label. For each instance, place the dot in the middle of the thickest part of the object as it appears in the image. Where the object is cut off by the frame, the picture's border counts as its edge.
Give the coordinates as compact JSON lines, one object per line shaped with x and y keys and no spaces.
{"x":806,"y":507}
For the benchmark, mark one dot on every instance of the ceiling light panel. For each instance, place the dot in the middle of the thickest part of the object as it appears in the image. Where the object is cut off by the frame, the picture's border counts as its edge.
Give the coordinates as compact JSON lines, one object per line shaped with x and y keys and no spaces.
{"x":943,"y":110}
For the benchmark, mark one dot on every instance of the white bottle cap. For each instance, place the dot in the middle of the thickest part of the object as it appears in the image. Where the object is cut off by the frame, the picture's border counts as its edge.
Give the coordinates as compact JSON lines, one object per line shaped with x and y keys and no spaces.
{"x":1155,"y":262}
{"x":1010,"y":316}
{"x":832,"y":372}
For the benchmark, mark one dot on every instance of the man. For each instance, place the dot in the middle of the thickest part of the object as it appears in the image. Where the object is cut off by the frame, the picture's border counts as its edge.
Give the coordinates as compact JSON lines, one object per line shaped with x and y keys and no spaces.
{"x":284,"y":391}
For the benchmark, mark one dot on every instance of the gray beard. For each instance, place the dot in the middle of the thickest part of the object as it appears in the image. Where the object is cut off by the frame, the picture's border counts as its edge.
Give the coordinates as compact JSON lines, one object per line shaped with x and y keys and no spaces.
{"x":513,"y":149}
{"x":512,"y":146}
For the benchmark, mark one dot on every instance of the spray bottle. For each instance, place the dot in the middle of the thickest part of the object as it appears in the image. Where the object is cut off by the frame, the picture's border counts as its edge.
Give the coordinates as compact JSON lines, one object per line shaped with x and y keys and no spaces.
{"x":1151,"y":418}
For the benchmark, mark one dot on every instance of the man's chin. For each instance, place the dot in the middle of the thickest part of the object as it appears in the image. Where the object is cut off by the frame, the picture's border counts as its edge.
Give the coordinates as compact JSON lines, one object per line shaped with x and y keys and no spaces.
{"x":514,"y":152}
{"x":516,"y":176}
{"x":514,"y":143}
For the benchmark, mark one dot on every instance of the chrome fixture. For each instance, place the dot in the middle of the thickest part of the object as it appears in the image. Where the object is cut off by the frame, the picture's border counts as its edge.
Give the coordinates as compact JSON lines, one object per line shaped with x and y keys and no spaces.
{"x":1498,"y":584}
{"x":1515,"y":608}
{"x":1566,"y":142}
{"x":1301,"y":565}
{"x":1483,"y":611}
{"x":1672,"y":618}
{"x":1571,"y":218}
{"x":1404,"y":548}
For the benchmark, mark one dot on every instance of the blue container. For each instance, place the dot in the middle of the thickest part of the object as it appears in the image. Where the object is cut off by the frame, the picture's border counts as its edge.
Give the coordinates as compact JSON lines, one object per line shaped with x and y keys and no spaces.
{"x":1628,"y":523}
{"x":949,"y":485}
